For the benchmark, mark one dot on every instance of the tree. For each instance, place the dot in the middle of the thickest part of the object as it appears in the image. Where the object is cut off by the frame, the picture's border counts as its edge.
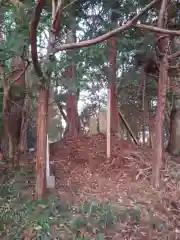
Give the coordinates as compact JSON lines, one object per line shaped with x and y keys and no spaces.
{"x":73,"y":124}
{"x":112,"y":47}
{"x":49,"y":67}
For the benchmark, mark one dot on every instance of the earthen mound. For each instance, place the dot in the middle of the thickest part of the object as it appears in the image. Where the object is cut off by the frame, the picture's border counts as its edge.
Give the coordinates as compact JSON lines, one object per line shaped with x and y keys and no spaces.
{"x":92,"y":150}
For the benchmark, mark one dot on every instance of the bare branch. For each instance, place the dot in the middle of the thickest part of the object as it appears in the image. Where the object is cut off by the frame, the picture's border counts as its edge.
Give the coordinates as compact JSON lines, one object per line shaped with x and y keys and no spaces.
{"x":33,"y":36}
{"x":108,"y":35}
{"x":129,"y":24}
{"x":20,"y":74}
{"x":174,"y":55}
{"x":158,"y":30}
{"x":56,"y":16}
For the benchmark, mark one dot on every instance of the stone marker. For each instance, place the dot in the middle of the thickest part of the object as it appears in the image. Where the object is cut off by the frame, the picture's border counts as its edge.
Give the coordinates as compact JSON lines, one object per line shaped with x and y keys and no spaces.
{"x":50,"y":179}
{"x":102,"y":121}
{"x":92,"y":125}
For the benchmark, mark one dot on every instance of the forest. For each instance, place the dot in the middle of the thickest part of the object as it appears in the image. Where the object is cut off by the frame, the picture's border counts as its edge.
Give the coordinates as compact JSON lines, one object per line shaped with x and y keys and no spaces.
{"x":90,"y":119}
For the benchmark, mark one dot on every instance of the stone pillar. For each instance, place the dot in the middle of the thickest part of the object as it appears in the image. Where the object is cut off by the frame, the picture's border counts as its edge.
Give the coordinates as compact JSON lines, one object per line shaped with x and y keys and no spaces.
{"x":93,"y":125}
{"x":102,"y":121}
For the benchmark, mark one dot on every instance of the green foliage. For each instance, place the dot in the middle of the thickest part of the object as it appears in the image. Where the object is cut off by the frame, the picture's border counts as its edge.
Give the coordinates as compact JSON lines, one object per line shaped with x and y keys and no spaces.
{"x":90,"y":24}
{"x":93,"y":19}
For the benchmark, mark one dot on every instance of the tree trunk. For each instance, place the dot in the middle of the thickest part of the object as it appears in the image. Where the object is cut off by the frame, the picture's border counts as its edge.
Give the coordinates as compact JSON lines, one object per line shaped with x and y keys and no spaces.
{"x":14,"y":102}
{"x":160,"y":111}
{"x":24,"y":126}
{"x":173,"y":146}
{"x":72,"y":117}
{"x":42,"y":115}
{"x":112,"y":51}
{"x":4,"y":136}
{"x":163,"y":45}
{"x":174,"y":119}
{"x":73,"y":123}
{"x":112,"y":79}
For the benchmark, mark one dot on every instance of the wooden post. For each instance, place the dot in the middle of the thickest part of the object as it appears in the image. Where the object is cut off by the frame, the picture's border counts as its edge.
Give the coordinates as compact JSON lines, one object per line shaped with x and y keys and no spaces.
{"x":108,"y":129}
{"x":47,"y":159}
{"x":41,"y":142}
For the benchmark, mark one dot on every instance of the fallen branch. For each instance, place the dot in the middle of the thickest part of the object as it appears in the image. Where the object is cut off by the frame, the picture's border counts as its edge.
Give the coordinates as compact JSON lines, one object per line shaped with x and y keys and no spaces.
{"x":128,"y":128}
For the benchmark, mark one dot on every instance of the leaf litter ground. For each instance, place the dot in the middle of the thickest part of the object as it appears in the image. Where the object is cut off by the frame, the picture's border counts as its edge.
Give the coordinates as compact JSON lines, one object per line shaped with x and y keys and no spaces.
{"x":95,"y":198}
{"x":83,"y":173}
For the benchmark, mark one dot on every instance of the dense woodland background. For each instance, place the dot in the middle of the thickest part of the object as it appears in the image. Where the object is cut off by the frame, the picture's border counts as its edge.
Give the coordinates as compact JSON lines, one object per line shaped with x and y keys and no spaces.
{"x":64,"y":62}
{"x":34,"y":64}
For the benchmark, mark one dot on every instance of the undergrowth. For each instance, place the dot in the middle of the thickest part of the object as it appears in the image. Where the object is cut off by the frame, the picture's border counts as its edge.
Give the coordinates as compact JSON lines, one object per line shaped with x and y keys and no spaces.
{"x":23,"y":218}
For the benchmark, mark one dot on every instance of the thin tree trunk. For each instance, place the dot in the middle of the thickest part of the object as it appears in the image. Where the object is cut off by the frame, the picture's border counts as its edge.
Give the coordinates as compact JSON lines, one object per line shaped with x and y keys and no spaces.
{"x":24,"y":126}
{"x":112,"y":45}
{"x":112,"y":52}
{"x":173,"y":147}
{"x":4,"y":137}
{"x":158,"y":147}
{"x":161,"y":100}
